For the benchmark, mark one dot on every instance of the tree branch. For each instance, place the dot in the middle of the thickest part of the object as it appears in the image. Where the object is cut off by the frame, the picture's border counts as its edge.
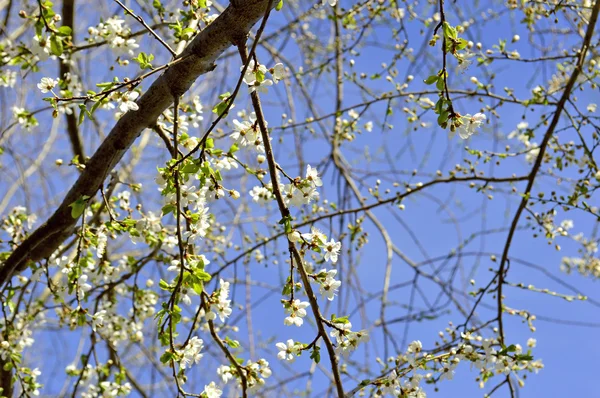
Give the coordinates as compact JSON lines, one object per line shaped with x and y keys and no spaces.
{"x":197,"y":59}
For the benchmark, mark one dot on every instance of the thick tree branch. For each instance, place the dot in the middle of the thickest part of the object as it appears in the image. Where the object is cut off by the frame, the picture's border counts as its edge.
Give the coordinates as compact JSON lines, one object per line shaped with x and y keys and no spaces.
{"x":198,"y":58}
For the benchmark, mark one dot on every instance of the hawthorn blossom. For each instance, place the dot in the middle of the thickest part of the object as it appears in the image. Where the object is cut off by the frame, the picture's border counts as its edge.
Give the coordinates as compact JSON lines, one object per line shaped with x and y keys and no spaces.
{"x":448,"y":371}
{"x":212,"y":391}
{"x":315,"y":236}
{"x":187,"y":195}
{"x":297,"y":311}
{"x":312,"y":175}
{"x":127,"y":101}
{"x":261,"y":368}
{"x":123,"y":46}
{"x":261,"y":195}
{"x":251,"y":72}
{"x":101,"y":243}
{"x":278,"y":72}
{"x":124,"y":201}
{"x":309,"y":194}
{"x":291,"y":195}
{"x":346,"y":339}
{"x":260,"y":87}
{"x":240,"y":132}
{"x":332,"y":250}
{"x":226,"y":163}
{"x":196,"y":117}
{"x":40,"y":47}
{"x":24,"y":118}
{"x":46,"y":84}
{"x":191,"y":352}
{"x":287,"y":351}
{"x":225,"y":373}
{"x":98,"y":319}
{"x":116,"y":33}
{"x":82,"y":286}
{"x":391,"y":385}
{"x":223,"y":306}
{"x":330,"y":286}
{"x":415,"y":347}
{"x":470,"y":124}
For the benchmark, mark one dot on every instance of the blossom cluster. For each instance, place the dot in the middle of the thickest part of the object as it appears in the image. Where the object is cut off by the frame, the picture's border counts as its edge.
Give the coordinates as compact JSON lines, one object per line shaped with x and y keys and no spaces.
{"x":317,"y":241}
{"x":116,"y":33}
{"x":255,"y":76}
{"x":255,"y":372}
{"x":346,"y":340}
{"x":487,"y":355}
{"x":298,"y":192}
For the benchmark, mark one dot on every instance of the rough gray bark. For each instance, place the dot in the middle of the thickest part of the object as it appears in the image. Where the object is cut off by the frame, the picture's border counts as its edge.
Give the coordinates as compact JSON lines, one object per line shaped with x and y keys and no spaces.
{"x":229,"y":28}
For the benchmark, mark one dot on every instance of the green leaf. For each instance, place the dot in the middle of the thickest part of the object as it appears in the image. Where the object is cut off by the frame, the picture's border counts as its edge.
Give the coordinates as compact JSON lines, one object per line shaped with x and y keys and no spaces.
{"x":78,"y":206}
{"x":81,"y":115}
{"x":462,"y":44}
{"x":198,"y":288}
{"x":431,"y":79}
{"x":65,"y":31}
{"x":164,"y":285}
{"x":166,"y":357}
{"x":210,"y":143}
{"x":524,"y":357}
{"x":279,"y":5}
{"x":449,"y":31}
{"x":440,"y":84}
{"x":144,"y":60}
{"x":443,"y":118}
{"x":82,"y":112}
{"x":231,"y":343}
{"x":190,"y":168}
{"x":167,"y":209}
{"x":218,"y":176}
{"x":202,"y":275}
{"x":287,"y":223}
{"x":342,"y":319}
{"x":315,"y":354}
{"x":56,"y":45}
{"x":510,"y":348}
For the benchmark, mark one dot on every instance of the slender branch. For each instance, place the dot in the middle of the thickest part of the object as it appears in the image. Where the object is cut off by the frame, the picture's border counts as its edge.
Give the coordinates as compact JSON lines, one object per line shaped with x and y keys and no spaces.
{"x":538,"y":162}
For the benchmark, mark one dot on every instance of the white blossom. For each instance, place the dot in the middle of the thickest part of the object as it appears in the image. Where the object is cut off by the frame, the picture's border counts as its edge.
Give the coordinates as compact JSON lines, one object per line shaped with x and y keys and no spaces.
{"x":332,"y":250}
{"x":47,"y":84}
{"x":287,"y":351}
{"x":330,"y":286}
{"x":470,"y":124}
{"x":312,"y":175}
{"x":278,"y":72}
{"x":191,"y":352}
{"x":297,"y":311}
{"x":212,"y":391}
{"x":127,"y":101}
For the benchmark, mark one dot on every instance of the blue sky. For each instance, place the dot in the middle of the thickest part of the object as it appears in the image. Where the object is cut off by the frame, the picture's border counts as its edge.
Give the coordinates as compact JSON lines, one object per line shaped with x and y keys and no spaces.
{"x":424,"y":230}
